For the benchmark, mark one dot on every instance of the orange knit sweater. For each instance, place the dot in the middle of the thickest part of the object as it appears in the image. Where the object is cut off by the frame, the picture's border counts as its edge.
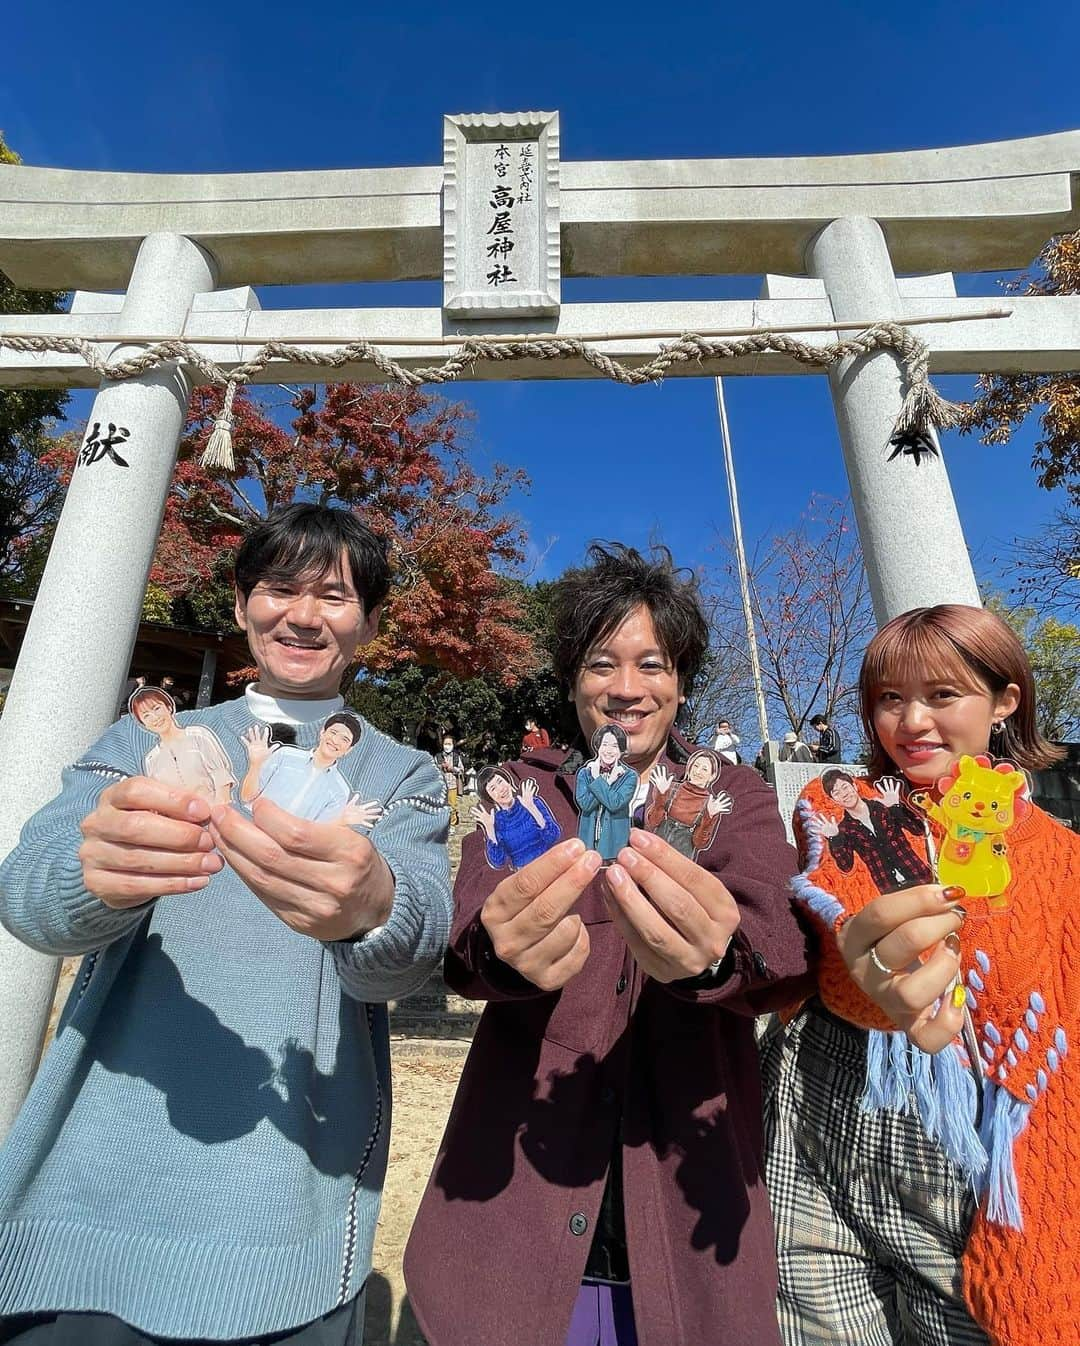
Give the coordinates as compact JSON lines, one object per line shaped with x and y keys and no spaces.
{"x":1022,"y":970}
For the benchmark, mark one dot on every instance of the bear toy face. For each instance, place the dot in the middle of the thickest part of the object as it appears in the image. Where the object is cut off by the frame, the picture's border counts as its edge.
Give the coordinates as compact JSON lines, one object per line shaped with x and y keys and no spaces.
{"x":981,"y":797}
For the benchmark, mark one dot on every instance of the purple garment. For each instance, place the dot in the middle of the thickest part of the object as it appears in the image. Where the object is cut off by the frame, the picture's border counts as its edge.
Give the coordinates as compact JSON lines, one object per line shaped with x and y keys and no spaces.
{"x":603,"y":1316}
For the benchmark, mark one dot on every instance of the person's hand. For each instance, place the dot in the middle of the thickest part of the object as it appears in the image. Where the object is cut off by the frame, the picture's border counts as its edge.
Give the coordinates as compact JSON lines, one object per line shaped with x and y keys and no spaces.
{"x":661,"y":779}
{"x":528,"y":799}
{"x":677,"y":918}
{"x":356,"y":814}
{"x":486,"y":819}
{"x":257,"y":743}
{"x":824,"y":826}
{"x":594,"y":767}
{"x":320,"y":879}
{"x":721,"y":802}
{"x":889,"y":791}
{"x":144,"y":840}
{"x":527,"y":916}
{"x":884,"y":947}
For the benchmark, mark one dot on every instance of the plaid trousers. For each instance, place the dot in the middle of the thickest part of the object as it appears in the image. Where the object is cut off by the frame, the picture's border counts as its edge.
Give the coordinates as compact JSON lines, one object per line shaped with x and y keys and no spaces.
{"x":871,"y":1217}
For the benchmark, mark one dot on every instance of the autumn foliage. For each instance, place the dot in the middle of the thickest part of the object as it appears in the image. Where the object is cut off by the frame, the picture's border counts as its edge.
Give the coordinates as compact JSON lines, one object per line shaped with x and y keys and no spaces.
{"x":1006,"y":400}
{"x":396,"y":458}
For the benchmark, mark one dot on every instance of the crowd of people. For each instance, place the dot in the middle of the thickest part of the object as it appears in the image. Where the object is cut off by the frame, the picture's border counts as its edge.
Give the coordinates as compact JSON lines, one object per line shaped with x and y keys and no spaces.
{"x":202,"y":1154}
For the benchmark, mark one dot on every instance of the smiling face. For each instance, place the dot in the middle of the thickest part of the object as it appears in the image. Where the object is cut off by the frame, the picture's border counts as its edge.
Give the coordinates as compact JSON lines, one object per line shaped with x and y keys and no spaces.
{"x":629,"y":680}
{"x":609,"y":751}
{"x":500,"y":791}
{"x":303,"y":633}
{"x":700,"y":770}
{"x":926,"y":725}
{"x":334,"y":742}
{"x":154,"y":713}
{"x":844,"y":793}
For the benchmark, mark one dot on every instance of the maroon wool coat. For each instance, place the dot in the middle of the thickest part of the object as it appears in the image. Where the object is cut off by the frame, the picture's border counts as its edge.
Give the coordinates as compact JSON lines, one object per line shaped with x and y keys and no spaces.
{"x":500,"y":1241}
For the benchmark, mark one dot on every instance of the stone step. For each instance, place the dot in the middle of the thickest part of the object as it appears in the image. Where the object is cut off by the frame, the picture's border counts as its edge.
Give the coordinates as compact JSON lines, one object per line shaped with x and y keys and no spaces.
{"x":403,"y":1025}
{"x":456,"y":1048}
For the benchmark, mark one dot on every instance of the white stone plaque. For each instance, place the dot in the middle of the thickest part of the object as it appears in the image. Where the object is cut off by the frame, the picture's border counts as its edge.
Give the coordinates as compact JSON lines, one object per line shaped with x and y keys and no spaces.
{"x":501,"y":214}
{"x":791,"y":778}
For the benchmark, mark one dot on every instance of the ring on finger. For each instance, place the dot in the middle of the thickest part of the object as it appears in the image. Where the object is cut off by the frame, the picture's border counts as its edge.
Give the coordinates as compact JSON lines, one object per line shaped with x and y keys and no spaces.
{"x":887,"y":971}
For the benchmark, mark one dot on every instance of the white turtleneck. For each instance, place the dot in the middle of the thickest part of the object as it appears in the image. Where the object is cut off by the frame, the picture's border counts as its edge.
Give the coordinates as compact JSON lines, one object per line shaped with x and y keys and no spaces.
{"x":288,"y":710}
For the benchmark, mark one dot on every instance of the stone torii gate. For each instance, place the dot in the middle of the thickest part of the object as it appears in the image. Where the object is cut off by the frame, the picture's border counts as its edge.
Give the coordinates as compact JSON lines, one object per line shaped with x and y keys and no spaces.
{"x":501,"y":220}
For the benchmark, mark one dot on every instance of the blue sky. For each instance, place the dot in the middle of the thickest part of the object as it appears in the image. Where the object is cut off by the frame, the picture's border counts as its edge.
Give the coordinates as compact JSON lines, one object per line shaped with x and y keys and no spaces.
{"x":198,"y":88}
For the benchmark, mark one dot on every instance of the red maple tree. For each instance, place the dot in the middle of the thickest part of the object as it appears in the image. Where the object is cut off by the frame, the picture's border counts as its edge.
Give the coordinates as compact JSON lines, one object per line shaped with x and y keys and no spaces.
{"x":396,"y":458}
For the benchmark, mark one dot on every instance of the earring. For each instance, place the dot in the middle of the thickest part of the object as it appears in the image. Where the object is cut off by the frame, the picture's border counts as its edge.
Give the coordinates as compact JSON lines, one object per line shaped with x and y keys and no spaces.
{"x":998,"y":727}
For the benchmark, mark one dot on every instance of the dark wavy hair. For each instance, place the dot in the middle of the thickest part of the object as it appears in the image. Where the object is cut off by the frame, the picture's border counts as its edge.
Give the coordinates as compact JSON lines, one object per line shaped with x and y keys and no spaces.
{"x":307,"y":541}
{"x":592,"y":602}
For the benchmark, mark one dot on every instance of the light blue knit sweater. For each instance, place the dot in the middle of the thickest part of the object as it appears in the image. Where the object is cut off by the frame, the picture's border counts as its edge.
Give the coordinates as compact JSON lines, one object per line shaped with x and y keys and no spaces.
{"x":202,"y":1153}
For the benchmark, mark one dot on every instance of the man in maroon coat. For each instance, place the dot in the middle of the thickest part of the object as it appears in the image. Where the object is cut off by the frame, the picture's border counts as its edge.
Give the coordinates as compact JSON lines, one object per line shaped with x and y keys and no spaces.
{"x":601,"y":1173}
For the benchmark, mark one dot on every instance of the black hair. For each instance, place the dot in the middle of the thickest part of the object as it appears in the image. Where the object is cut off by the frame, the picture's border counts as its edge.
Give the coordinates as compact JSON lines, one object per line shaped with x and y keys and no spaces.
{"x":350,"y":721}
{"x":616,"y":731}
{"x":487,"y":776}
{"x":829,"y":779}
{"x":816,"y":720}
{"x":301,"y":540}
{"x":593,"y":601}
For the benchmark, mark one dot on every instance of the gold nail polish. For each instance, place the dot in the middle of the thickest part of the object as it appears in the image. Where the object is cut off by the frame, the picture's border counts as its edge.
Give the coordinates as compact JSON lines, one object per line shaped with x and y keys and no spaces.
{"x":959,"y":997}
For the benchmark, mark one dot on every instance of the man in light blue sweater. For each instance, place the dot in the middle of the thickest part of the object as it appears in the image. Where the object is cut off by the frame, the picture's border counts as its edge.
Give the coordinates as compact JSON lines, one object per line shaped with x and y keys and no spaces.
{"x":202,"y":1154}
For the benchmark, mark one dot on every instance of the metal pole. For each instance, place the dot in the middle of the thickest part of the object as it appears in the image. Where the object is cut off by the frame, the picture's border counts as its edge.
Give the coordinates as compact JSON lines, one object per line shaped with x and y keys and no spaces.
{"x":740,"y":557}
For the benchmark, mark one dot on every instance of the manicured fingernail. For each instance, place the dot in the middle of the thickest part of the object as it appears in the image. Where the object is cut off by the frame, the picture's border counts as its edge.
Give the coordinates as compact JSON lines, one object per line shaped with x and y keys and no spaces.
{"x":960,"y":911}
{"x":953,"y":893}
{"x":593,"y":861}
{"x":952,"y":942}
{"x":959,"y":997}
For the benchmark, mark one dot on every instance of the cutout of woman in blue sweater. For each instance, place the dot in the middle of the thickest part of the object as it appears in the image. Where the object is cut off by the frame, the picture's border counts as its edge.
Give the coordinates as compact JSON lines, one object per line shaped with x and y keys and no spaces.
{"x":517,"y":824}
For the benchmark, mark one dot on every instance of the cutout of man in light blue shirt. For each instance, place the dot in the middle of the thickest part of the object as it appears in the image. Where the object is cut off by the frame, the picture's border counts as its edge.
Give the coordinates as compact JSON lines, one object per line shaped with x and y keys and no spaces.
{"x":307,"y":784}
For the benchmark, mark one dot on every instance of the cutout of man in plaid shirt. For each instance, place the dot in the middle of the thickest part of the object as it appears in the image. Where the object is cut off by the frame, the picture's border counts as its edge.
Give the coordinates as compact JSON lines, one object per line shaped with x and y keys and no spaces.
{"x":874,"y":831}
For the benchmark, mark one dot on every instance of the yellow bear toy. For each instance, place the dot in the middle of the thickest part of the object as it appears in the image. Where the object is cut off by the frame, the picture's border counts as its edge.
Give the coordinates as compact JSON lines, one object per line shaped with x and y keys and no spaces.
{"x":979,"y":802}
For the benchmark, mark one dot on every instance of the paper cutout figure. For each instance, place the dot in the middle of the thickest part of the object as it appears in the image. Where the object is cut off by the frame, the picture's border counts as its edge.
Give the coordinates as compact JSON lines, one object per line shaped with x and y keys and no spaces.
{"x":185,"y":757}
{"x":979,"y":803}
{"x":604,"y":793}
{"x":686,"y":813}
{"x":875,"y":827}
{"x":308,"y":782}
{"x":517,"y":825}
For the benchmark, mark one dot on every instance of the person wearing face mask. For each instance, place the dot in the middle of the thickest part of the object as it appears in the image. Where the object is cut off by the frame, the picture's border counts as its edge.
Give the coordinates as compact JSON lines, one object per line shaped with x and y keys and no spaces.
{"x":452,"y":768}
{"x":600,"y":1179}
{"x":917,"y":1183}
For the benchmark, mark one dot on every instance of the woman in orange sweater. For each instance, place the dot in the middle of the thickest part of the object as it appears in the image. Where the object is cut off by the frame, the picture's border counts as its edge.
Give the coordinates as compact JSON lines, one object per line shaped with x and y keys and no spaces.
{"x":981,"y":974}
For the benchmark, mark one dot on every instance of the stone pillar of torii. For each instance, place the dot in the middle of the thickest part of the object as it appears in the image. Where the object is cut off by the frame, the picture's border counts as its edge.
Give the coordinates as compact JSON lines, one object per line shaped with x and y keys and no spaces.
{"x":502,"y":220}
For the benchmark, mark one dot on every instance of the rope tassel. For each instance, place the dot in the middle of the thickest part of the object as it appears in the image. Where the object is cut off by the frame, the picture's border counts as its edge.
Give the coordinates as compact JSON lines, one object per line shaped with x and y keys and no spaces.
{"x":219,"y":447}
